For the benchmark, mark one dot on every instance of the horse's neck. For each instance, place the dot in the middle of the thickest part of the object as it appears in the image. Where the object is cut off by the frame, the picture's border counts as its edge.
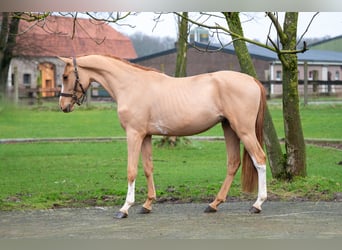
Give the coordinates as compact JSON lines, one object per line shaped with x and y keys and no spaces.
{"x":118,"y":77}
{"x":113,"y":75}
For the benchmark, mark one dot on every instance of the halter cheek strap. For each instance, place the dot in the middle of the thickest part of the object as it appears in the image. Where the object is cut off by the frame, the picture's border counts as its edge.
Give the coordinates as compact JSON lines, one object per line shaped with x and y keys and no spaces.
{"x":77,"y":100}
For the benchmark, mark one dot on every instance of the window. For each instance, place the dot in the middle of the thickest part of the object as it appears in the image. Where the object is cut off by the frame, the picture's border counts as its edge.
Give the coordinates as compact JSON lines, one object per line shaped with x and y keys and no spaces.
{"x":278,"y":75}
{"x":337,"y":75}
{"x":27,"y":79}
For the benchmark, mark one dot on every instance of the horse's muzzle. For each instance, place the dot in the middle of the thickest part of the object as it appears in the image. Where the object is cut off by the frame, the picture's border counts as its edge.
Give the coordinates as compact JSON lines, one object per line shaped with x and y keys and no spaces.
{"x":67,"y":109}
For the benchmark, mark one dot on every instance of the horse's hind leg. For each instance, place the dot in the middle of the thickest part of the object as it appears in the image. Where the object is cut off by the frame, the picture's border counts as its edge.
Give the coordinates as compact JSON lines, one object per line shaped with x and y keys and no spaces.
{"x":262,"y":187}
{"x":259,"y":161}
{"x":233,"y":154}
{"x":146,"y":151}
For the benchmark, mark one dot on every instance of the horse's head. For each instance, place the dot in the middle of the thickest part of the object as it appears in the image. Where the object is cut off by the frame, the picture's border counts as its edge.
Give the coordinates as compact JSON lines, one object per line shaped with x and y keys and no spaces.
{"x":74,"y":86}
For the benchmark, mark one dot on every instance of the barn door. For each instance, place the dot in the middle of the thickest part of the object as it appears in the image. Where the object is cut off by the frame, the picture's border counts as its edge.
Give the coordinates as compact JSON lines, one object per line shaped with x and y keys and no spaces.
{"x":48,"y":79}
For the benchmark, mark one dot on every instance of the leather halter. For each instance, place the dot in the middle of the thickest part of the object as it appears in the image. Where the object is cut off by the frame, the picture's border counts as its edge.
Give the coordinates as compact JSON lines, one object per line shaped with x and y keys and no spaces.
{"x":74,"y":97}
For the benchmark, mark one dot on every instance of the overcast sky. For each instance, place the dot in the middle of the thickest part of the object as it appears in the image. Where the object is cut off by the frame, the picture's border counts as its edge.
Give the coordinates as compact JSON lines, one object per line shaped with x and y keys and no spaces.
{"x":255,"y":24}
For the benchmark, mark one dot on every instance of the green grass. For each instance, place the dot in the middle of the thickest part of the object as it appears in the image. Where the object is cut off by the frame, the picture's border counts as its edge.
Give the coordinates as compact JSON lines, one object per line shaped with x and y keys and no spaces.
{"x":90,"y":172}
{"x":43,"y":123}
{"x":318,"y":121}
{"x":45,"y":175}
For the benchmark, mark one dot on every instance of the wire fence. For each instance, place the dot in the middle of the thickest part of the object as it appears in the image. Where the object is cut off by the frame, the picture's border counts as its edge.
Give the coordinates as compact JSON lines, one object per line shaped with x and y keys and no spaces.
{"x":313,"y":89}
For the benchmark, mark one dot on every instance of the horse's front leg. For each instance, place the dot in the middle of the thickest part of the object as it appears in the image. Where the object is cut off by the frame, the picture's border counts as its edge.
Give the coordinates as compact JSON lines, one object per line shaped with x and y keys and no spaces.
{"x":146,"y":151}
{"x":134,"y":141}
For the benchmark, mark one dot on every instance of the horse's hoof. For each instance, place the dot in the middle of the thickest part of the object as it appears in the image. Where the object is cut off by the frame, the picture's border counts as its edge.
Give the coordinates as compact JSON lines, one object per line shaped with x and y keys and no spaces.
{"x":120,"y":215}
{"x":144,"y":210}
{"x":254,"y":210}
{"x":210,"y":209}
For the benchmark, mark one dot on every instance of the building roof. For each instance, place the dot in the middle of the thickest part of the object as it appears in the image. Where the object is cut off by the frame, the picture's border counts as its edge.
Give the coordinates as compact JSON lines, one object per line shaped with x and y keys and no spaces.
{"x":317,"y":56}
{"x":334,"y":44}
{"x":53,"y":37}
{"x":311,"y":55}
{"x":321,"y":56}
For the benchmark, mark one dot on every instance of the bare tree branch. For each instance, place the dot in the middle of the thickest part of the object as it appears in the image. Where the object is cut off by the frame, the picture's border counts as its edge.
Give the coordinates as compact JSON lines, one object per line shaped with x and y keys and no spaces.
{"x":273,"y":44}
{"x":97,"y":41}
{"x":211,"y":15}
{"x":269,"y":33}
{"x":307,"y":28}
{"x":74,"y":26}
{"x":207,"y":49}
{"x":275,"y":48}
{"x":277,"y":25}
{"x":218,"y":27}
{"x":156,"y":21}
{"x":31,"y":16}
{"x":40,"y":19}
{"x":111,"y":18}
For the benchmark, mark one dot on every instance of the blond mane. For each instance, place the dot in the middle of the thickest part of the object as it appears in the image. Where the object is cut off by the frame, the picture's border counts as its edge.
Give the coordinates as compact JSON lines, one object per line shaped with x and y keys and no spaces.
{"x":133,"y":64}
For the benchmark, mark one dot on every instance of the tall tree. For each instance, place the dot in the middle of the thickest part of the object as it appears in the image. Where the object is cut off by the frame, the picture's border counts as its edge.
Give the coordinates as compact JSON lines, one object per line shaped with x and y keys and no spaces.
{"x":8,"y":33}
{"x":294,"y":138}
{"x":182,"y":46}
{"x":273,"y":149}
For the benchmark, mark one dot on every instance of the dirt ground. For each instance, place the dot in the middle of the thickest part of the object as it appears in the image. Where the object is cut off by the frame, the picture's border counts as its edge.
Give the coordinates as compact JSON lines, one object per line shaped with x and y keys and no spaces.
{"x":278,"y":220}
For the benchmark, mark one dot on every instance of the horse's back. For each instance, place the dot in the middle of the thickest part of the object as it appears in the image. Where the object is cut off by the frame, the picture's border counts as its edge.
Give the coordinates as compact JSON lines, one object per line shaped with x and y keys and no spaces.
{"x":238,"y":85}
{"x":235,"y":80}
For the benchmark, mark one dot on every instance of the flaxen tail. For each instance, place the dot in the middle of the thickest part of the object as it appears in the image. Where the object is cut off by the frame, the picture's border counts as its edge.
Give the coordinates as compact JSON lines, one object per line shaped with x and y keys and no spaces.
{"x":249,"y":176}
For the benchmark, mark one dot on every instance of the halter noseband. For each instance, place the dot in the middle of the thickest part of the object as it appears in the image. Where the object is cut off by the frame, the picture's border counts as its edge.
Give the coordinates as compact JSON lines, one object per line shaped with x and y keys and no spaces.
{"x":77,"y":100}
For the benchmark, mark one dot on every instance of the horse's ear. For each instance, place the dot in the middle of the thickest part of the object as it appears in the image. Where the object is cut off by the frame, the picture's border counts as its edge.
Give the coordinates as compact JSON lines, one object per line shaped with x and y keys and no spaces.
{"x":66,"y":60}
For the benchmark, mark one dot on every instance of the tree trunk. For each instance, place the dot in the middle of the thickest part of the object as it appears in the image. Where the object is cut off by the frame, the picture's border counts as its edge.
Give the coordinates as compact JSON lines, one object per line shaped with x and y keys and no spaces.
{"x":180,"y":70}
{"x":273,"y":149}
{"x":9,"y":31}
{"x":182,"y":46}
{"x":3,"y":44}
{"x":294,"y":138}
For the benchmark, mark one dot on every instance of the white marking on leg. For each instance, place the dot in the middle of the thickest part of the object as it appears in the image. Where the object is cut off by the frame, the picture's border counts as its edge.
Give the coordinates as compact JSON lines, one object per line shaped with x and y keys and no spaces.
{"x":262,"y":187}
{"x":130,"y":198}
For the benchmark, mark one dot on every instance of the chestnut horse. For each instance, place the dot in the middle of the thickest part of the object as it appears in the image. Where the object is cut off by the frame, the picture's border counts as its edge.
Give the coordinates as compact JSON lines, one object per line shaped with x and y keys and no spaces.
{"x":152,"y":103}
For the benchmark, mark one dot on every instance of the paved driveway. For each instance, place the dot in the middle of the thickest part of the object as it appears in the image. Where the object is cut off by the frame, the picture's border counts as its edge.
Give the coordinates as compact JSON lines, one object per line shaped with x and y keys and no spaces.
{"x":278,"y":220}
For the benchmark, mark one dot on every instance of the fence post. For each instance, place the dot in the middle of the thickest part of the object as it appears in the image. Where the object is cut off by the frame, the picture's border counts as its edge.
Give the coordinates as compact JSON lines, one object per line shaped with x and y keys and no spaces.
{"x":16,"y":85}
{"x":329,"y":85}
{"x":88,"y":93}
{"x":305,"y":83}
{"x":315,"y":86}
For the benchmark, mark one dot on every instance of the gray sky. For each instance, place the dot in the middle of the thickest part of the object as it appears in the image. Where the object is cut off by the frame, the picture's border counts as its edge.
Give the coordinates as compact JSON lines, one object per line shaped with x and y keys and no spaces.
{"x":255,"y":24}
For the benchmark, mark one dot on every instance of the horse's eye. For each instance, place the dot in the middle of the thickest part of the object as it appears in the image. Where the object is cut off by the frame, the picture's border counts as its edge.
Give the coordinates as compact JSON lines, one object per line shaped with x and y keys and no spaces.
{"x":65,"y":77}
